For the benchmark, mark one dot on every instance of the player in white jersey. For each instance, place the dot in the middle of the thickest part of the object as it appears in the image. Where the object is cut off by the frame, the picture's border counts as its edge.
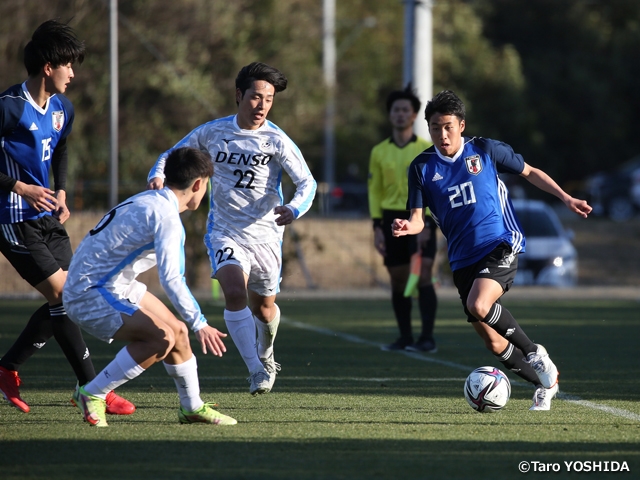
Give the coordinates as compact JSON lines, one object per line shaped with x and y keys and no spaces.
{"x":457,"y":178}
{"x":247,"y":213}
{"x":103,"y":296}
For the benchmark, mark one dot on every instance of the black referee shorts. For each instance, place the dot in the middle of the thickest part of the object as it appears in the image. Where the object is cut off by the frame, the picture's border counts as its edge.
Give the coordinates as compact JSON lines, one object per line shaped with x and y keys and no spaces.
{"x":501,"y":265}
{"x":400,"y":249}
{"x":36,"y":248}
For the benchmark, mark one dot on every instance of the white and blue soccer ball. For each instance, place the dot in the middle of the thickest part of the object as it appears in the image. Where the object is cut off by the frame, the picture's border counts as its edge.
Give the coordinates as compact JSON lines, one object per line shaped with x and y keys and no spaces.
{"x":487,"y":389}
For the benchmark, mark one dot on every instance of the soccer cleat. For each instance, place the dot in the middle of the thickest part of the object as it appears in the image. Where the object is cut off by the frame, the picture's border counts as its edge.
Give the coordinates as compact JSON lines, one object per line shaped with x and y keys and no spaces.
{"x":272,"y":369}
{"x":542,"y":397}
{"x":9,"y":383}
{"x":116,"y":405}
{"x":260,"y":382}
{"x":205,"y":414}
{"x":426,"y":345}
{"x":400,"y":344}
{"x":93,"y":408}
{"x":543,"y":366}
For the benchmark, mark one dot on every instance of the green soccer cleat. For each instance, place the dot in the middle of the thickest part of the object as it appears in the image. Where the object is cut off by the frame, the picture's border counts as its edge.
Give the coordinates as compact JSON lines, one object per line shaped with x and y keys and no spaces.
{"x":205,"y":414}
{"x":93,"y":408}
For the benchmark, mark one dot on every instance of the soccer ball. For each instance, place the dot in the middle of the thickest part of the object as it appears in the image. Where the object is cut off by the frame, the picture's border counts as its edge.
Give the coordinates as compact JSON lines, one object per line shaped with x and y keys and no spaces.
{"x":487,"y":389}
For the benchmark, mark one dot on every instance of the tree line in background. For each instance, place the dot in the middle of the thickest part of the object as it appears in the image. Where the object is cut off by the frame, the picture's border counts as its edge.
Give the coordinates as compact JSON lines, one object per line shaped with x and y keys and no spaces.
{"x":557,"y":79}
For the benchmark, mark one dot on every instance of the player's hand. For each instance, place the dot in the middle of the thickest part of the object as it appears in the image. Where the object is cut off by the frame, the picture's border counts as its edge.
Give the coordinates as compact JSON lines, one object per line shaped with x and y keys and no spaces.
{"x":285,"y":215}
{"x":155,"y":183}
{"x":400,"y":227}
{"x":61,"y":212}
{"x":211,"y":339}
{"x":39,"y":198}
{"x":378,"y":241}
{"x":581,"y":207}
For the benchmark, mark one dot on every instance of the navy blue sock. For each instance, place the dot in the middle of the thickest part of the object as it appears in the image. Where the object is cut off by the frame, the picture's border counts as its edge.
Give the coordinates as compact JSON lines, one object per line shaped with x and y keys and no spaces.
{"x":31,"y":339}
{"x":501,"y":320}
{"x":69,"y":337}
{"x":513,"y":359}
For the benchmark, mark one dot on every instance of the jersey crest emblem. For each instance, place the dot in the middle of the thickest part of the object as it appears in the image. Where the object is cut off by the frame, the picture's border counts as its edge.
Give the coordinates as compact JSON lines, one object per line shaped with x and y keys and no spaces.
{"x":474,"y":166}
{"x":265,"y":145}
{"x":58,"y":120}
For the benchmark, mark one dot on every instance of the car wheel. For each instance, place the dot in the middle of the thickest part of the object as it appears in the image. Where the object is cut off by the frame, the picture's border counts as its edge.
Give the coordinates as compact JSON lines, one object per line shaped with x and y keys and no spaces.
{"x":620,"y":209}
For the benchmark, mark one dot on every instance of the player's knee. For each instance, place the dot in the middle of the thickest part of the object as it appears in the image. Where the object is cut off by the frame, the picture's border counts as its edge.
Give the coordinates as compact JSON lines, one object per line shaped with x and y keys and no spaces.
{"x":478,"y":308}
{"x":163,"y":342}
{"x":181,"y":337}
{"x":235,"y":296}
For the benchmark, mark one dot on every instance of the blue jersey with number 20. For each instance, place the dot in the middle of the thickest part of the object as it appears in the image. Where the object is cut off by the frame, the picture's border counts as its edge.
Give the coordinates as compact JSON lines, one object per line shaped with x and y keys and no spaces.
{"x":467,"y":199}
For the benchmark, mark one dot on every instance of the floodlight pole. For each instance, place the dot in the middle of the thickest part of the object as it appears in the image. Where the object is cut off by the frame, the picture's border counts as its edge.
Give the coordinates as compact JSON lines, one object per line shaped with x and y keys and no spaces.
{"x":418,"y":55}
{"x":329,"y":69}
{"x":113,"y":145}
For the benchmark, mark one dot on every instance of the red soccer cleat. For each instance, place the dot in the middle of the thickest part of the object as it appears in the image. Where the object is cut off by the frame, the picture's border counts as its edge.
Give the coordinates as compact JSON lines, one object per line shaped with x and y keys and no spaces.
{"x":116,"y":405}
{"x":9,"y":383}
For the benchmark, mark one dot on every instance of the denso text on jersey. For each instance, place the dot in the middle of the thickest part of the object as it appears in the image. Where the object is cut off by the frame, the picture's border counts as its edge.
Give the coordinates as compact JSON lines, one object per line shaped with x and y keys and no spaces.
{"x":235,"y":158}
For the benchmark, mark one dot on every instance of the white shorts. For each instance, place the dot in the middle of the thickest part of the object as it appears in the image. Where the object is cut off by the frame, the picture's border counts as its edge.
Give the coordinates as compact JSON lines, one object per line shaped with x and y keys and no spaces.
{"x":99,"y":311}
{"x":262,"y":262}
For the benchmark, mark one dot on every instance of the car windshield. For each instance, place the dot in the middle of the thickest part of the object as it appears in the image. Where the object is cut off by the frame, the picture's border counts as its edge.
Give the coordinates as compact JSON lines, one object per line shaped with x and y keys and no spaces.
{"x":537,"y":223}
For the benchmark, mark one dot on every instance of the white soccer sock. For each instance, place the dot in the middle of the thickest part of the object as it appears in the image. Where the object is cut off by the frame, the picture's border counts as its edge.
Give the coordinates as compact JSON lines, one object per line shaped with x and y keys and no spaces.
{"x":243,"y":333}
{"x":267,"y":334}
{"x":121,"y":369}
{"x":185,"y":375}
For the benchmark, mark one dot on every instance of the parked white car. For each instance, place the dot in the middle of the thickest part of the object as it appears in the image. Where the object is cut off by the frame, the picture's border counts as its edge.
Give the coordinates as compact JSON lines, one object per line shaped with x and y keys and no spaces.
{"x":550,"y":257}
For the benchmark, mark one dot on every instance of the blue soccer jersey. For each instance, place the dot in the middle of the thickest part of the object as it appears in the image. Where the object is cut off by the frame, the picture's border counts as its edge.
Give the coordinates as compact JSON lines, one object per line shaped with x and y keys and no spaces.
{"x":29,"y":135}
{"x":467,"y":199}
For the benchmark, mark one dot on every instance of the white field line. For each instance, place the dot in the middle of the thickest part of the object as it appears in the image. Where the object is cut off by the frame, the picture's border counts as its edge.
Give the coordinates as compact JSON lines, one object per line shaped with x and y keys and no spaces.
{"x":618,"y":412}
{"x":356,"y":379}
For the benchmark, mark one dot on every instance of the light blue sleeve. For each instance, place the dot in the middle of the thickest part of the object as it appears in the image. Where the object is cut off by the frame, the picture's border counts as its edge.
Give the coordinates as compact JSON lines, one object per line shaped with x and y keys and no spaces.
{"x":169,"y":247}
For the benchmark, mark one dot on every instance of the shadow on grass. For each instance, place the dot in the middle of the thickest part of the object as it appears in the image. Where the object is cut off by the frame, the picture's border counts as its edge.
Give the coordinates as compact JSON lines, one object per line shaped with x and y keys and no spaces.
{"x":300,"y":459}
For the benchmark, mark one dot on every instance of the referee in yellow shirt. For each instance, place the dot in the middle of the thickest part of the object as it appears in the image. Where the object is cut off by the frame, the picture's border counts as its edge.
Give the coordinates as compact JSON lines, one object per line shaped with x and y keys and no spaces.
{"x":388,"y":191}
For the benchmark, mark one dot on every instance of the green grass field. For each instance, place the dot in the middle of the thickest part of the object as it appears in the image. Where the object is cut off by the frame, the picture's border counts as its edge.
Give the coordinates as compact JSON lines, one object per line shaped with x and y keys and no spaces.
{"x":341,"y":408}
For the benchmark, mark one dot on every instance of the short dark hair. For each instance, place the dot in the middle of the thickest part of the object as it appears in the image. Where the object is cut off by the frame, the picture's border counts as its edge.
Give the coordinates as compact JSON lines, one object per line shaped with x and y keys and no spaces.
{"x":55,"y":43}
{"x":406,"y":94}
{"x":260,"y":71}
{"x":184,"y":165}
{"x":445,"y":103}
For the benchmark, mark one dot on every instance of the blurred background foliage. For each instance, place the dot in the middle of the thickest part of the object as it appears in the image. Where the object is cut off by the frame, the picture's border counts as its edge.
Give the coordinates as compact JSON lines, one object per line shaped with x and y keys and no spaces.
{"x":557,"y":79}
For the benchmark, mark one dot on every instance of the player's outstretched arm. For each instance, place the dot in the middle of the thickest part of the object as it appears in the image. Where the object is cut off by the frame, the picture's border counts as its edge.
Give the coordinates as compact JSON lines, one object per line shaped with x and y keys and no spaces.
{"x":211,"y":340}
{"x":544,"y":182}
{"x":401,"y":227}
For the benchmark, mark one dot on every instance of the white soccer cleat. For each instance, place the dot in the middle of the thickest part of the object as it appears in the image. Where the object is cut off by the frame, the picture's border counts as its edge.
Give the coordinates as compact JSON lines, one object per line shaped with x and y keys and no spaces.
{"x":543,"y":366}
{"x":272,"y":369}
{"x":542,"y":398}
{"x":260,"y":382}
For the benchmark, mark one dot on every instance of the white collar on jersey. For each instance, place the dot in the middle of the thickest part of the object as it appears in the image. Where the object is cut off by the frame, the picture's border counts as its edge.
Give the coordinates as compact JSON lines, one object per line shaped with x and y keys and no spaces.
{"x":456,"y":156}
{"x":257,"y":130}
{"x":33,"y":103}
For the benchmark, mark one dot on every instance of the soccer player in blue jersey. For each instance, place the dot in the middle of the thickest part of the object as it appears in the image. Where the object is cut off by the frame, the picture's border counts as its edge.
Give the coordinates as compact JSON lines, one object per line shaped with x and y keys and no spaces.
{"x":458,"y":180}
{"x":248,"y":214}
{"x":35,"y":121}
{"x":103,"y":296}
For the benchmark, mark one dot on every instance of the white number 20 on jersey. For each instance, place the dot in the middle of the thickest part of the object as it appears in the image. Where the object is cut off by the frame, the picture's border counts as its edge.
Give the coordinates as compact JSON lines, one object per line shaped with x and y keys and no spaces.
{"x":462,"y":194}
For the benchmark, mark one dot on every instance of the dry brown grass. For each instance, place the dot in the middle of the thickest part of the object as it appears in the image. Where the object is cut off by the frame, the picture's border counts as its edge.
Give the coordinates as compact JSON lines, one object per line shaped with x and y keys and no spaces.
{"x":338,"y":254}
